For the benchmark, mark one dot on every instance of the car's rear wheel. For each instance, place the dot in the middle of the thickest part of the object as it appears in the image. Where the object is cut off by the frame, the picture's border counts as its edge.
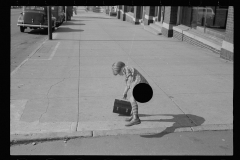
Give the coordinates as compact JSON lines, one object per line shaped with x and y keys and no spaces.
{"x":22,"y":28}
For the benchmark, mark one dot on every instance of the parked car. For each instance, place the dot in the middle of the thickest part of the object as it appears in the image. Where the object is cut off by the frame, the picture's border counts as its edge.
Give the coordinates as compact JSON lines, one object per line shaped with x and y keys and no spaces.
{"x":113,"y":10}
{"x":201,"y":12}
{"x":34,"y":17}
{"x":58,"y":13}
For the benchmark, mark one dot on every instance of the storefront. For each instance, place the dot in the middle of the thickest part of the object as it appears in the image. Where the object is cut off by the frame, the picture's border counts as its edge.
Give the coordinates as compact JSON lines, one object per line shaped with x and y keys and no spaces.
{"x":159,"y":14}
{"x":207,"y":19}
{"x":132,"y":14}
{"x":210,"y":27}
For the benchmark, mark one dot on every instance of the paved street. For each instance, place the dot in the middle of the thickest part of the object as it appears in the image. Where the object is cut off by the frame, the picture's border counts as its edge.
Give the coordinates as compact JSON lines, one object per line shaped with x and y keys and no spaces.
{"x":65,"y":87}
{"x":184,"y":143}
{"x":23,"y":44}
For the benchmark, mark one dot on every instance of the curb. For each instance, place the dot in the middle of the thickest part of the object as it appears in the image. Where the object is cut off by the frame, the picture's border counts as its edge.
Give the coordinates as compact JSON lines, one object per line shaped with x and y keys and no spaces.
{"x":213,"y":127}
{"x":42,"y":137}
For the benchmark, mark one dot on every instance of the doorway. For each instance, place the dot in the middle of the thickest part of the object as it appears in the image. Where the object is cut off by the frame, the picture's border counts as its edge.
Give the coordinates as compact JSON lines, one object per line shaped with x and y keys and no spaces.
{"x":143,"y":13}
{"x":162,"y":10}
{"x":157,"y":13}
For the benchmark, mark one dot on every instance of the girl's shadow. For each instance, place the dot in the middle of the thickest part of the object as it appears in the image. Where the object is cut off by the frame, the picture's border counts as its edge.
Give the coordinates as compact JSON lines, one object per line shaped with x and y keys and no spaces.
{"x":180,"y":121}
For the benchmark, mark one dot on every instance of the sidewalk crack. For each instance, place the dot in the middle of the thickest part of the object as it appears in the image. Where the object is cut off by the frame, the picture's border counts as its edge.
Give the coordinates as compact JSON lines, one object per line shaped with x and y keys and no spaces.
{"x":191,"y":121}
{"x":48,"y":97}
{"x":23,"y":111}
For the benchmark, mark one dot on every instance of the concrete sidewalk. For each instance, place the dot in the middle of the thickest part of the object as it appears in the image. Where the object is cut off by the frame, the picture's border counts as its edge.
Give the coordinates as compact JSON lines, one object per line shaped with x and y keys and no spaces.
{"x":66,"y":88}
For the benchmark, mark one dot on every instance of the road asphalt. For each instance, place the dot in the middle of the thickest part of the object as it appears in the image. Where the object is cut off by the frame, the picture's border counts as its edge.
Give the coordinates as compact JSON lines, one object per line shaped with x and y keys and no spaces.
{"x":205,"y":143}
{"x":66,"y":88}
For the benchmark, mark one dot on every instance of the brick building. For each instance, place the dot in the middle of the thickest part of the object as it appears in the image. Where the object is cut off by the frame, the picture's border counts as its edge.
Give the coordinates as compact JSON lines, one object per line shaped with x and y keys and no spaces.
{"x":210,"y":27}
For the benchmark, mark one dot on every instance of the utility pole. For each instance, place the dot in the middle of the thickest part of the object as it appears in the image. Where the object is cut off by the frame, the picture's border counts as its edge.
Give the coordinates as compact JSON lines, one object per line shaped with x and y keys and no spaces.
{"x":49,"y":23}
{"x":65,"y":13}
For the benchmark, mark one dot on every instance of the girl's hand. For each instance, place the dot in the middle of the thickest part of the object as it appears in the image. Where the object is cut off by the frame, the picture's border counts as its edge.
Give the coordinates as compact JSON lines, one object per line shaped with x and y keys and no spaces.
{"x":125,"y":96}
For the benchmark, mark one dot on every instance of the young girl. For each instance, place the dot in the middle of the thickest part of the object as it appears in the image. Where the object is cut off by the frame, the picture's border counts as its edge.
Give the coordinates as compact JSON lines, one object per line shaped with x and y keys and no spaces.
{"x":132,"y":78}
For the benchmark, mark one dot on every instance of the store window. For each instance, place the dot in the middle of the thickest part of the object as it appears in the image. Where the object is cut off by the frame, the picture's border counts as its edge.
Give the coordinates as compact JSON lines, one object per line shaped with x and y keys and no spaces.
{"x":130,"y":9}
{"x":141,"y":14}
{"x":186,"y":16}
{"x":205,"y":18}
{"x":218,"y":18}
{"x":34,"y":8}
{"x":157,"y":13}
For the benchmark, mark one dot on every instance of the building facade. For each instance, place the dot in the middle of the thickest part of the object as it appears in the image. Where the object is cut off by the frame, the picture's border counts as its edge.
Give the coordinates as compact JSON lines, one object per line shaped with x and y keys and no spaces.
{"x":210,"y":27}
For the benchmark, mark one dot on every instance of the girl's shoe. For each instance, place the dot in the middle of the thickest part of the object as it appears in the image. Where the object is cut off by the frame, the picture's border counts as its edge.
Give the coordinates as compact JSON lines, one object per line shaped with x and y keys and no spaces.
{"x":129,"y":119}
{"x":134,"y":122}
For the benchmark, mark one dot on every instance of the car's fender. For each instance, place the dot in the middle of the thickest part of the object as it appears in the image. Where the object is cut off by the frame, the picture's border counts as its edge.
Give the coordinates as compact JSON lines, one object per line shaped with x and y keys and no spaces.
{"x":20,"y":18}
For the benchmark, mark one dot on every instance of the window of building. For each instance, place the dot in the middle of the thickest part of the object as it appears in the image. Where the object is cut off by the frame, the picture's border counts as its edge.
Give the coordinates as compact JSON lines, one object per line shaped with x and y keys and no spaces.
{"x":205,"y":18}
{"x":186,"y":16}
{"x":141,"y":14}
{"x":33,"y":7}
{"x":217,"y":17}
{"x":157,"y":13}
{"x":130,"y":9}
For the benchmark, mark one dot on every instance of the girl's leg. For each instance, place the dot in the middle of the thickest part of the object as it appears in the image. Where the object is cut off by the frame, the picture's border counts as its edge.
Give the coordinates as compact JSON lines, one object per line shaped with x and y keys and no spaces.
{"x":135,"y":110}
{"x":129,"y":118}
{"x":135,"y":119}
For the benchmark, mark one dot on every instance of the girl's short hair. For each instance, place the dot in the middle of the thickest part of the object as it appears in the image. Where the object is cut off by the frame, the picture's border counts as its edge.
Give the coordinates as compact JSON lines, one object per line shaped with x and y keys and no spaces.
{"x":117,"y":66}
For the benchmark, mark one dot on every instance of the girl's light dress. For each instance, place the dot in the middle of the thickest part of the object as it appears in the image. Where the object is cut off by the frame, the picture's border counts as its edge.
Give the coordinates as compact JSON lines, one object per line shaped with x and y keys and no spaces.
{"x":133,"y":77}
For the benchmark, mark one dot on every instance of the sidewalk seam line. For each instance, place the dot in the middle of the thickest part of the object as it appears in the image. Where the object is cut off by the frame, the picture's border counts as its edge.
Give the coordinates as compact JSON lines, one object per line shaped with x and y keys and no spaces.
{"x":23,"y":110}
{"x":78,"y":86}
{"x":54,"y":51}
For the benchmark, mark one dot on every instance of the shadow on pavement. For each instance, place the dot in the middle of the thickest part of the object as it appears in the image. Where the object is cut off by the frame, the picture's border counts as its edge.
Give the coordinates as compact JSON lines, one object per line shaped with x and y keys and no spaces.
{"x":38,"y":31}
{"x":77,"y":20}
{"x":69,"y":23}
{"x":73,"y":20}
{"x":180,"y":121}
{"x":66,"y":29}
{"x":99,"y":17}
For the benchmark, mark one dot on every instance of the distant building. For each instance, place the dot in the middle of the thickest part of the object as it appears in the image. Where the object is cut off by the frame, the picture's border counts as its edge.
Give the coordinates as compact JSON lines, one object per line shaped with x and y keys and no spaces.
{"x":98,"y":9}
